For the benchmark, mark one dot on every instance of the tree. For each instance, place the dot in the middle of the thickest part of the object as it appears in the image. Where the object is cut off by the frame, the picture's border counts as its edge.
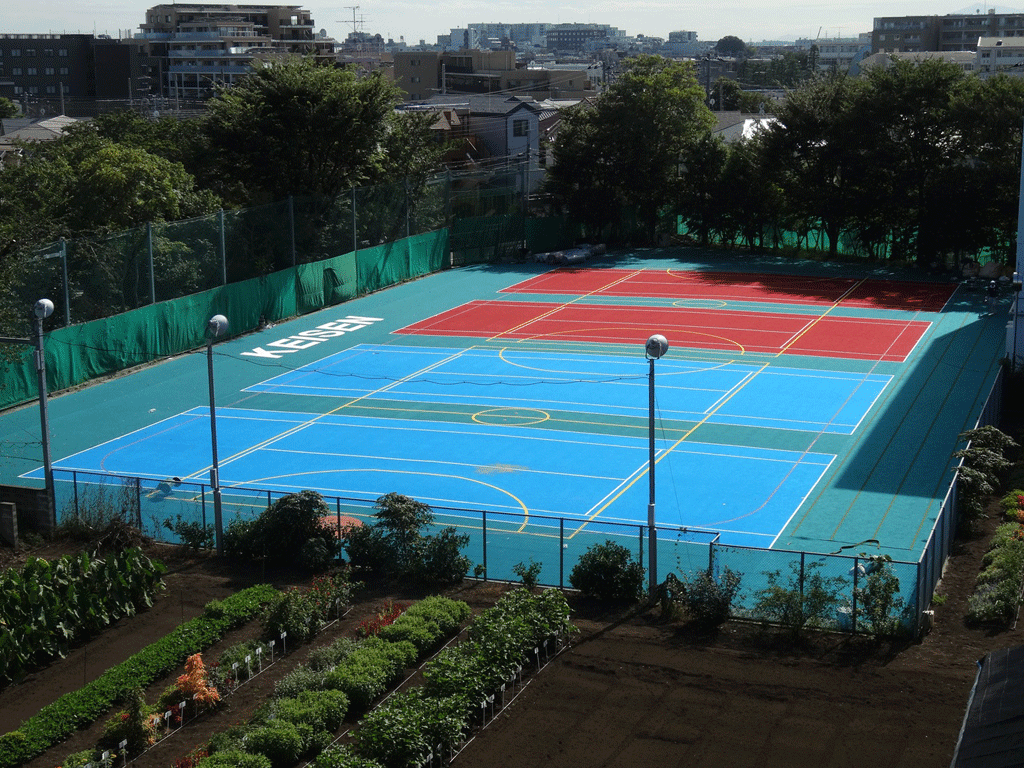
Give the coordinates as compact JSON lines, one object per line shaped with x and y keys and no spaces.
{"x":813,"y":152}
{"x":8,"y":108}
{"x":630,"y":146}
{"x":730,"y":45}
{"x":298,"y":127}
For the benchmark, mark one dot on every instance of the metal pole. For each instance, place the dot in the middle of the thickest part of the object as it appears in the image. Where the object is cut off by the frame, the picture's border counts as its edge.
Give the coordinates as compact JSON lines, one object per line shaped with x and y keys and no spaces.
{"x":43,"y":309}
{"x":217,"y":325}
{"x":64,"y":275}
{"x":149,"y":251}
{"x":652,"y":556}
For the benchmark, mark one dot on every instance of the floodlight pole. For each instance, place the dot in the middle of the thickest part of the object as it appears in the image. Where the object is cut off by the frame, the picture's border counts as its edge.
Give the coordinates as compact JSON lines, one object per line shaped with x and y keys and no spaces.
{"x":656,"y":346}
{"x":43,"y":309}
{"x":218,"y":324}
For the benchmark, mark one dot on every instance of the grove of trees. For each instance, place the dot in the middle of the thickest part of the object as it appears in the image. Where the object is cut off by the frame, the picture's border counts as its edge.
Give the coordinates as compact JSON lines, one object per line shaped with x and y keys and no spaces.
{"x":917,"y":161}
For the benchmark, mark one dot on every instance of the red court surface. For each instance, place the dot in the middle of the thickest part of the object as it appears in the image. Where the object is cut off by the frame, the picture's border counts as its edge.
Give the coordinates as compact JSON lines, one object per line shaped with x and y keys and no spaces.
{"x":740,"y":286}
{"x":732,"y":331}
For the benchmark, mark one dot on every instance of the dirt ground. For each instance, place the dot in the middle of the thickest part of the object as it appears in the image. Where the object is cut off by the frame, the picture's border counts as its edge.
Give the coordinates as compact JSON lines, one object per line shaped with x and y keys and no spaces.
{"x":631,"y":690}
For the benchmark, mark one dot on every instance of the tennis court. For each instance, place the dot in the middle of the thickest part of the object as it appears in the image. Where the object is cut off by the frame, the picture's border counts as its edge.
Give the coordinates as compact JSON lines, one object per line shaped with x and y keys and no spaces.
{"x":792,"y":411}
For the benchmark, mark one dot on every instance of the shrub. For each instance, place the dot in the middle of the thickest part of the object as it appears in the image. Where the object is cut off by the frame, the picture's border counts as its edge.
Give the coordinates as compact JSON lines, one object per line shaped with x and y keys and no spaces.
{"x":406,"y":728}
{"x":998,"y":588}
{"x":300,"y":679}
{"x":134,"y":724}
{"x":607,"y":571}
{"x":281,"y":531}
{"x":343,"y":757}
{"x":194,"y":536}
{"x":708,"y":599}
{"x":395,"y":546}
{"x":419,"y":631}
{"x":279,"y":741}
{"x":328,"y":656}
{"x":448,"y":614}
{"x":369,"y":669}
{"x":194,"y":684}
{"x":235,"y":758}
{"x":315,"y":555}
{"x":291,"y":612}
{"x":322,"y":710}
{"x":878,"y":603}
{"x":236,"y":655}
{"x":530,"y":574}
{"x":797,"y":605}
{"x":440,"y":560}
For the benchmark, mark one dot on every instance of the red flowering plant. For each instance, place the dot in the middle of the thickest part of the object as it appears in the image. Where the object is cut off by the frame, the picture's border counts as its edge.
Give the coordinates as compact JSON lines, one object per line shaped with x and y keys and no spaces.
{"x":385,"y":617}
{"x":1013,"y":505}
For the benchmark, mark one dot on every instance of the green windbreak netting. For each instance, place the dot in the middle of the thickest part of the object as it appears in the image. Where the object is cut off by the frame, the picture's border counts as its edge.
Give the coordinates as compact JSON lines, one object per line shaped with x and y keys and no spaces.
{"x":551,"y":234}
{"x":485,"y":239}
{"x":78,"y":353}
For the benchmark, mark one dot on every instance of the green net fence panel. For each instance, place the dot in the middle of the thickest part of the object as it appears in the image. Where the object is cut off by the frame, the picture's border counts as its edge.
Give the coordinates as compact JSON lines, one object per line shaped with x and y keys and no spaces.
{"x":78,"y":353}
{"x":554,"y":233}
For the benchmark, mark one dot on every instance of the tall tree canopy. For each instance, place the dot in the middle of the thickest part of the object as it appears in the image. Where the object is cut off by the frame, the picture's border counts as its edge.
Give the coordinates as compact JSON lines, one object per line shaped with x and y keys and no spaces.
{"x":629,"y":148}
{"x":298,"y":127}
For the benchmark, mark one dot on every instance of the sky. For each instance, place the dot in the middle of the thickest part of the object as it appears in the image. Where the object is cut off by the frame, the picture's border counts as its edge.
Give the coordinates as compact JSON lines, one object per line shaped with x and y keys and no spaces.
{"x":415,"y":20}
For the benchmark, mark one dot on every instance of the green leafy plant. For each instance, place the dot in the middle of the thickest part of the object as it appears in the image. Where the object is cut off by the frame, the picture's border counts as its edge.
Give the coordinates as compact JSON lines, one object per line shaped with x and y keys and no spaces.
{"x":608,"y":572}
{"x":409,"y":726}
{"x":530,"y":574}
{"x":56,"y":721}
{"x":997,"y":592}
{"x":49,"y":606}
{"x":708,"y":598}
{"x":395,"y":546}
{"x":879,"y":605}
{"x":279,"y":741}
{"x":193,"y":535}
{"x":343,"y":757}
{"x":807,"y":599}
{"x":282,"y":530}
{"x":983,"y":462}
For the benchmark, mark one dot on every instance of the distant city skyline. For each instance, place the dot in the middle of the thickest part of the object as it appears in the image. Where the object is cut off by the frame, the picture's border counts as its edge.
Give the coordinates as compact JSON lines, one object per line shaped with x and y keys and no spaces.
{"x":415,"y":20}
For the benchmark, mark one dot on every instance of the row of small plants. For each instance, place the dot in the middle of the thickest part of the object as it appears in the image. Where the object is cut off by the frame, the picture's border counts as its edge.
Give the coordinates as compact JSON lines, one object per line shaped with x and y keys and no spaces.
{"x":339,"y":680}
{"x":56,"y":721}
{"x":413,"y":725}
{"x":997,"y":592}
{"x":289,"y":617}
{"x":48,"y":607}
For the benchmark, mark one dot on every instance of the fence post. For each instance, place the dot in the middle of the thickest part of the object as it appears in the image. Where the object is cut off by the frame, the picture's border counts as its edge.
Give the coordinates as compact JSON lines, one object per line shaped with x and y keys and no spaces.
{"x":640,"y":529}
{"x":853,"y":612}
{"x":74,"y":482}
{"x":202,"y":493}
{"x":711,"y":557}
{"x":561,"y":551}
{"x":223,"y":249}
{"x":138,"y":501}
{"x":802,"y":558}
{"x":405,"y":184}
{"x":483,"y":531}
{"x":149,"y":252}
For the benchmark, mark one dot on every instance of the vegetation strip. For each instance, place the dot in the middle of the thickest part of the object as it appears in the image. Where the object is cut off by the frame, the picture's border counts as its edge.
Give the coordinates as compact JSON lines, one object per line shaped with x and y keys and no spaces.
{"x":56,"y":721}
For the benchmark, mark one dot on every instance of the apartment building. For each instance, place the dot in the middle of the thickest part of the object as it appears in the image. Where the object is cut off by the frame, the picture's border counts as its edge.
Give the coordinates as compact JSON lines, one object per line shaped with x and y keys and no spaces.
{"x":952,"y":32}
{"x":198,"y":46}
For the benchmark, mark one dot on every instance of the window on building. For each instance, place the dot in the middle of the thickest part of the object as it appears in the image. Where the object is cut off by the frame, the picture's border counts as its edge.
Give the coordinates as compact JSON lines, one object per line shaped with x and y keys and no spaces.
{"x":414,"y":79}
{"x":33,"y":89}
{"x":51,"y":71}
{"x":51,"y":89}
{"x":520,"y":127}
{"x":48,"y":52}
{"x":32,"y":71}
{"x":31,"y":51}
{"x":62,"y":51}
{"x":15,"y":71}
{"x":18,"y":90}
{"x":414,"y":62}
{"x":64,"y":71}
{"x":15,"y":51}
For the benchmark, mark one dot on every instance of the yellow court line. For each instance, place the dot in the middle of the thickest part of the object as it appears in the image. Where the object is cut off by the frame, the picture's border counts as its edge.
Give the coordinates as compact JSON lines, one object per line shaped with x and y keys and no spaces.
{"x":564,"y":304}
{"x":820,"y":317}
{"x":341,"y":407}
{"x":671,"y":448}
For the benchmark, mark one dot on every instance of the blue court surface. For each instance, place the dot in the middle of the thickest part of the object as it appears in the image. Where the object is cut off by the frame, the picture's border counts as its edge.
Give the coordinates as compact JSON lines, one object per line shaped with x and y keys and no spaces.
{"x":487,"y":467}
{"x":730,"y":393}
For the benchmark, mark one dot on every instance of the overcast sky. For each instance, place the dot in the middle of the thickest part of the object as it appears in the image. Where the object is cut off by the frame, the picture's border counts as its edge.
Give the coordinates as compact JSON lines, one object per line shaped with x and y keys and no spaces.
{"x":415,"y":20}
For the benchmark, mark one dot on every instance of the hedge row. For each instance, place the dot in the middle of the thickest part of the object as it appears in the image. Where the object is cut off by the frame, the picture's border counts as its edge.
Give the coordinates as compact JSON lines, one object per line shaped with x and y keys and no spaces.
{"x":339,"y":680}
{"x":56,"y":721}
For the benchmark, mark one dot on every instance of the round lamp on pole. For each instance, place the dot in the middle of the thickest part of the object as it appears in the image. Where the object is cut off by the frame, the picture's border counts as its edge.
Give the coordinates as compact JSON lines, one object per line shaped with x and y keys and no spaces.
{"x":655,"y":348}
{"x":217,"y":326}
